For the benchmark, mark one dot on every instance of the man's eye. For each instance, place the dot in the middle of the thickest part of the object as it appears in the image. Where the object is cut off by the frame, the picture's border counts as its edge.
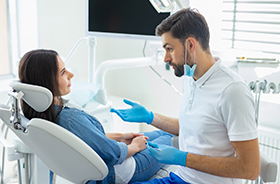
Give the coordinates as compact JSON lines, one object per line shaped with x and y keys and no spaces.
{"x":169,"y":49}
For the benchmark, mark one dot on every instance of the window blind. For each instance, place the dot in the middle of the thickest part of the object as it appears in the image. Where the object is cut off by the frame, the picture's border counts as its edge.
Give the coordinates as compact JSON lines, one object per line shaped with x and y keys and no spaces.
{"x":251,"y":25}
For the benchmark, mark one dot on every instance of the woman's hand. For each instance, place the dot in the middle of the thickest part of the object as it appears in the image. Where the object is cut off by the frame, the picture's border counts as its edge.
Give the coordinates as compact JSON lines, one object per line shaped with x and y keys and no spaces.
{"x":128,"y":137}
{"x":138,"y":144}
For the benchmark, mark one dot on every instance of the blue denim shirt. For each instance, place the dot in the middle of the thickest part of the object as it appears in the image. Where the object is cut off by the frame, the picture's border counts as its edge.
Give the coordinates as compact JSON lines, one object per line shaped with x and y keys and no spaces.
{"x":90,"y":130}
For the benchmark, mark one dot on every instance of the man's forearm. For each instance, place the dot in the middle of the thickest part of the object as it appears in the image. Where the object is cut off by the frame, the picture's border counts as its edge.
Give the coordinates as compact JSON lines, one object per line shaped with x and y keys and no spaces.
{"x":170,"y":125}
{"x":245,"y":165}
{"x":232,"y":167}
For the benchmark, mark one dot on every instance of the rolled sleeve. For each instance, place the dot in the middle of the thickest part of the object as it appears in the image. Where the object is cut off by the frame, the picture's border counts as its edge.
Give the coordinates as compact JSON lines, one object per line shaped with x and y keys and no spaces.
{"x":124,"y":150}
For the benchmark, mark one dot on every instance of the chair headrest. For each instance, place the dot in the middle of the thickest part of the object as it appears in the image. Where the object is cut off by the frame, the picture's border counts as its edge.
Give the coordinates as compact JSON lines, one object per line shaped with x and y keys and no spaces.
{"x":37,"y":97}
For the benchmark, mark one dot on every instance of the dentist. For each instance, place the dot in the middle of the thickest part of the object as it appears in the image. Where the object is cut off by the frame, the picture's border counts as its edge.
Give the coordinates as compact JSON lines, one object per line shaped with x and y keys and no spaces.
{"x":217,"y":131}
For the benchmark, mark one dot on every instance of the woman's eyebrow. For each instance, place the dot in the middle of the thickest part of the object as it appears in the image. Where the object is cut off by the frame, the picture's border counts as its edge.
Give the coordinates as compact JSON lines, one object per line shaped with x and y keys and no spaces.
{"x":62,"y":70}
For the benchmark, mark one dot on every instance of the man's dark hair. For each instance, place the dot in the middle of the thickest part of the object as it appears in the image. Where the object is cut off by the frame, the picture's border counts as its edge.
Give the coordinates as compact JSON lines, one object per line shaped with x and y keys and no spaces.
{"x":186,"y":23}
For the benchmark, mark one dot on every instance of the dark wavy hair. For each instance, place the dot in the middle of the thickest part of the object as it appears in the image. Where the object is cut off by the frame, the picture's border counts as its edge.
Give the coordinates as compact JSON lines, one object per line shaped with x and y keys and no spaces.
{"x":186,"y":23}
{"x":40,"y":67}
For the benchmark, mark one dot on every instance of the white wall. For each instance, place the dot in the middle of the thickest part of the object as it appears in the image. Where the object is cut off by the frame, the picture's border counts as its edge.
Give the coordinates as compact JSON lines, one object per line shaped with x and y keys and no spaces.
{"x":61,"y":23}
{"x":212,"y":11}
{"x":28,"y":28}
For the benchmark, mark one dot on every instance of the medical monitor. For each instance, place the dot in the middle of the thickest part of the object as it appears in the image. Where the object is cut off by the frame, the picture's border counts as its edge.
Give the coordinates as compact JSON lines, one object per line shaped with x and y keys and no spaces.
{"x":122,"y":18}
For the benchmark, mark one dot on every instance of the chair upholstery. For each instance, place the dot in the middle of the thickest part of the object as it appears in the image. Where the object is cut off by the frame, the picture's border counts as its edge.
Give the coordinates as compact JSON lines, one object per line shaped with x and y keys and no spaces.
{"x":60,"y":150}
{"x":63,"y":152}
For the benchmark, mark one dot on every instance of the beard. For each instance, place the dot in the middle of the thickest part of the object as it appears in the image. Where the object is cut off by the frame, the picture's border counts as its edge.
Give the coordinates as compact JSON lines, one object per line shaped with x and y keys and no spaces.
{"x":179,"y":70}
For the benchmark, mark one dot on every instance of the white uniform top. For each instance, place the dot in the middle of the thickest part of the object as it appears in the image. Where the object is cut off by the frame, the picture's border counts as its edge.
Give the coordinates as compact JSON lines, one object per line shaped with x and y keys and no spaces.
{"x":216,"y":109}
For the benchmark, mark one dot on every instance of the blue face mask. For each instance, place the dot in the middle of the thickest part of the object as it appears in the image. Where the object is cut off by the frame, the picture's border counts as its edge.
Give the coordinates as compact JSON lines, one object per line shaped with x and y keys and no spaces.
{"x":189,"y":71}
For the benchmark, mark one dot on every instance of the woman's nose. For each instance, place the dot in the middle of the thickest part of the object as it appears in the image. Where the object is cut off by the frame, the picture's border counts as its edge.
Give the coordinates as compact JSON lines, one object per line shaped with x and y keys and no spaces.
{"x":71,"y":75}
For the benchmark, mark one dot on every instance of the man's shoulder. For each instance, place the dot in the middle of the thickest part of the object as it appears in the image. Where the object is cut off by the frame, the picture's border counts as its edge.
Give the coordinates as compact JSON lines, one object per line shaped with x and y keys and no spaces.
{"x":228,"y":80}
{"x":228,"y":75}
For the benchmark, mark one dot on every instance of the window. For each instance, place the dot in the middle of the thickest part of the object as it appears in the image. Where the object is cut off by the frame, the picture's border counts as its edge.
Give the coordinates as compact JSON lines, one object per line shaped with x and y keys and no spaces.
{"x":8,"y":38}
{"x":251,"y":25}
{"x":5,"y":68}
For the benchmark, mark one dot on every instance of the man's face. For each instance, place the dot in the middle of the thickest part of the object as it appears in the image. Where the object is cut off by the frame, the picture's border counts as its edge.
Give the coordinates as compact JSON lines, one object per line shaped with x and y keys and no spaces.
{"x":174,"y":53}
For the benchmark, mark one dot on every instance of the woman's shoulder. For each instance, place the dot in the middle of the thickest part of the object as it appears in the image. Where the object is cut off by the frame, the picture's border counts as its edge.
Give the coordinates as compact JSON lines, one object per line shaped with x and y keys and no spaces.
{"x":71,"y":112}
{"x":72,"y":118}
{"x":68,"y":117}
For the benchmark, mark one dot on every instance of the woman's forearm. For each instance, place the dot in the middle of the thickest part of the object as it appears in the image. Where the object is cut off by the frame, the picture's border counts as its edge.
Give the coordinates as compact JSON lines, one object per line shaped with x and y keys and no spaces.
{"x":138,"y":144}
{"x":115,"y":136}
{"x":132,"y":149}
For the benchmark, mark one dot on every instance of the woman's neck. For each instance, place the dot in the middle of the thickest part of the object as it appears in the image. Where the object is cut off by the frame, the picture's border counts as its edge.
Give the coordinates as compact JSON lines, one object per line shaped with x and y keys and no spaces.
{"x":56,"y":100}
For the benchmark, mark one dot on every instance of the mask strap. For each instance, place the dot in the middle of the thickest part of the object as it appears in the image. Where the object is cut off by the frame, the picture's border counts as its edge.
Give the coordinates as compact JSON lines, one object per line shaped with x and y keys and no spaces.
{"x":194,"y":58}
{"x":185,"y":65}
{"x":186,"y":53}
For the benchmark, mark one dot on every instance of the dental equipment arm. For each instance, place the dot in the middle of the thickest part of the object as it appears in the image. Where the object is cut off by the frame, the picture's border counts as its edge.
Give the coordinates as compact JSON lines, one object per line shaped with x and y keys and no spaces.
{"x":105,"y":66}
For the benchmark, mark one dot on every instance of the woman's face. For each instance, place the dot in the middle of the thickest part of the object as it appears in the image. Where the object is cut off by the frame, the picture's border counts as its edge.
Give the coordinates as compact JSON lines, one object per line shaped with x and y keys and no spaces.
{"x":64,"y":78}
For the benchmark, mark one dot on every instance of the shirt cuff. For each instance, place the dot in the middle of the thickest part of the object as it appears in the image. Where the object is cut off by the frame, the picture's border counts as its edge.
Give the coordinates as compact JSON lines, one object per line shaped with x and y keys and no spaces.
{"x":124,"y":151}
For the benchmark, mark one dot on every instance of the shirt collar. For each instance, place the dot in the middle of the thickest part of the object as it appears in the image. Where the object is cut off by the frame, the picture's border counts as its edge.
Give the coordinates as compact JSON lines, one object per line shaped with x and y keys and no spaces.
{"x":208,"y":74}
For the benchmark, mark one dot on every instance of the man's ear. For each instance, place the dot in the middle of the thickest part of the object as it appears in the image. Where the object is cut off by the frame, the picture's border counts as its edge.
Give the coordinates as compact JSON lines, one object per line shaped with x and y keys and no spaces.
{"x":191,"y":44}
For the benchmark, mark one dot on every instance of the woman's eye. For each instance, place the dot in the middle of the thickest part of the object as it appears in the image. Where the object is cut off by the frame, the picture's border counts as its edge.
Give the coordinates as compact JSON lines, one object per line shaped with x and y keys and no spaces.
{"x":169,"y":49}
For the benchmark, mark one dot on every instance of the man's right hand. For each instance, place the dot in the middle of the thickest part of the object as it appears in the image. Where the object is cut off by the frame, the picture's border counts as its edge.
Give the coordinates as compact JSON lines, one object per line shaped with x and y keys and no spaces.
{"x":137,"y":113}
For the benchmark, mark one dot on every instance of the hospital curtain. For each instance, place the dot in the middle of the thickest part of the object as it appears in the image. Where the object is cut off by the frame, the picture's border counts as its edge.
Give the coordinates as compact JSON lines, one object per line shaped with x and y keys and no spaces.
{"x":251,"y":25}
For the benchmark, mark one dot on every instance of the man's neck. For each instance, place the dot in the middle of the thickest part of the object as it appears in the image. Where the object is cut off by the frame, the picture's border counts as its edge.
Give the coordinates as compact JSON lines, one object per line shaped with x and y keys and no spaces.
{"x":204,"y":62}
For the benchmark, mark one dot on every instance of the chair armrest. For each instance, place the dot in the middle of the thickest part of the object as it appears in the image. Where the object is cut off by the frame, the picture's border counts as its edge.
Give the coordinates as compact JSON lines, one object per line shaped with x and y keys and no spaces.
{"x":268,"y":169}
{"x":175,"y":142}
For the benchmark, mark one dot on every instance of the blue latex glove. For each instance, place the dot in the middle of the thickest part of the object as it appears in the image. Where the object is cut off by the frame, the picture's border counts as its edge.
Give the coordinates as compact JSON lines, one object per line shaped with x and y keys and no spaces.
{"x":137,"y":113}
{"x":167,"y":154}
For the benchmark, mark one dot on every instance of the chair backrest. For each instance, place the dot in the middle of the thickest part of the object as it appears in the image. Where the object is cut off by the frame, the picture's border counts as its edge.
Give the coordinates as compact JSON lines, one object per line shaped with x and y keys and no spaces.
{"x":60,"y":150}
{"x":63,"y":152}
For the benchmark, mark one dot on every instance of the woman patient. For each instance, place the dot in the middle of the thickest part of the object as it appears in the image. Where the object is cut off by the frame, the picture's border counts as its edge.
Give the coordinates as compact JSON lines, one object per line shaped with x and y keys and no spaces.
{"x":125,"y":154}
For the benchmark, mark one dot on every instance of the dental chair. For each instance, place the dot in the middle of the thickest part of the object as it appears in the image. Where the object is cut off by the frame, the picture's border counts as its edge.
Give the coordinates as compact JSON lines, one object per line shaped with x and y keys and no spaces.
{"x":60,"y":150}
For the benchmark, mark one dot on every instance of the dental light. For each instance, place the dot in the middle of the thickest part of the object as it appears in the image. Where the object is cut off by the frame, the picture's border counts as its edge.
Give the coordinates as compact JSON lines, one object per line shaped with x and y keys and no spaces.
{"x":163,"y":6}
